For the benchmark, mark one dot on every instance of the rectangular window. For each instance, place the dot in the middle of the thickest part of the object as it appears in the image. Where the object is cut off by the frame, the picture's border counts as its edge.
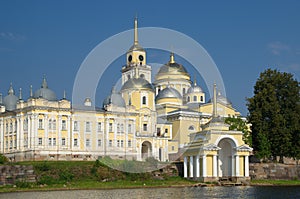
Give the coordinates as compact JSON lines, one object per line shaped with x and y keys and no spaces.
{"x":166,"y":131}
{"x":144,"y":127}
{"x":122,"y":128}
{"x":75,"y":142}
{"x":50,"y":142}
{"x":87,"y":126}
{"x":63,"y":125}
{"x":40,"y":143}
{"x":10,"y":144}
{"x":122,"y":143}
{"x":99,"y":127}
{"x":50,"y":125}
{"x":75,"y":125}
{"x":110,"y":143}
{"x":87,"y":143}
{"x":25,"y":142}
{"x":158,"y":131}
{"x":173,"y":148}
{"x":40,"y":123}
{"x":54,"y":141}
{"x":129,"y":143}
{"x":118,"y":143}
{"x":63,"y":141}
{"x":54,"y":124}
{"x":99,"y":142}
{"x":110,"y":127}
{"x":118,"y":128}
{"x":129,"y":128}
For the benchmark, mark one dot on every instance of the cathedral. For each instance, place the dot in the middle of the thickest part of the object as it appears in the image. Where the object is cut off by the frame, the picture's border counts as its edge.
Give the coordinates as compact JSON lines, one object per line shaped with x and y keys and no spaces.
{"x":167,"y":118}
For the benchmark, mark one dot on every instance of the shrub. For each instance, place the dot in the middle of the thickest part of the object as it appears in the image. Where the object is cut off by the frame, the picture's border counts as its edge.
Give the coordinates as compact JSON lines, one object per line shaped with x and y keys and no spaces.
{"x":23,"y":184}
{"x":3,"y":159}
{"x":47,"y":180}
{"x":66,"y":176}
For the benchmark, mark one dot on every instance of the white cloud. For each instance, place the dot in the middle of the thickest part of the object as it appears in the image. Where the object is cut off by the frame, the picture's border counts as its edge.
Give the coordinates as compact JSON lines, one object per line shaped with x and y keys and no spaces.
{"x":11,"y":36}
{"x":277,"y":47}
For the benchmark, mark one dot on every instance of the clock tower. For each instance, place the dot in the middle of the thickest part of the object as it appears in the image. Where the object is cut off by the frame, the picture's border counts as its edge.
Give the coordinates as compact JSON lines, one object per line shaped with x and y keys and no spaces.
{"x":136,"y":58}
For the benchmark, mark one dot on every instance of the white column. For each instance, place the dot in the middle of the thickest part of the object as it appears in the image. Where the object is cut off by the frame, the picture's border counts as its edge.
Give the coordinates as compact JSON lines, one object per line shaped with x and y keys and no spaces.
{"x":185,"y":167}
{"x":29,"y":133}
{"x":197,"y":167}
{"x":215,"y":166}
{"x":191,"y":166}
{"x":237,"y":165}
{"x":204,"y":166}
{"x":21,"y":129}
{"x":1,"y":136}
{"x":246,"y":166}
{"x":68,"y":140}
{"x":46,"y":131}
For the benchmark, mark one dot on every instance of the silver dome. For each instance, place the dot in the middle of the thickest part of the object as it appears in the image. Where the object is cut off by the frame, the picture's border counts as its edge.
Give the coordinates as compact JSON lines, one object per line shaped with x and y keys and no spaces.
{"x":168,"y":93}
{"x":172,"y":67}
{"x":222,"y":100}
{"x":195,"y":89}
{"x":10,"y":101}
{"x":114,"y":98}
{"x":137,"y":83}
{"x":44,"y":92}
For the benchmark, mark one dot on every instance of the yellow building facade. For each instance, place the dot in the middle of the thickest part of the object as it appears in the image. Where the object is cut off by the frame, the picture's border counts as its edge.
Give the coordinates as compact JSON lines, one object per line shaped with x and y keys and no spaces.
{"x":143,"y":119}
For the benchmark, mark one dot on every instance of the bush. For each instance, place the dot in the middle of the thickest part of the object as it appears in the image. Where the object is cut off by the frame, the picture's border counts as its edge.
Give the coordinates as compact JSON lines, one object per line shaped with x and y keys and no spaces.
{"x":23,"y":184}
{"x":43,"y":166}
{"x":47,"y":180}
{"x":66,"y":176}
{"x":3,"y":159}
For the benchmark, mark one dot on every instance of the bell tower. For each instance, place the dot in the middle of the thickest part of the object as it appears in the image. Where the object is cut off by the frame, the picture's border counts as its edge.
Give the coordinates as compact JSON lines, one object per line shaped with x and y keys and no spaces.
{"x":136,"y":57}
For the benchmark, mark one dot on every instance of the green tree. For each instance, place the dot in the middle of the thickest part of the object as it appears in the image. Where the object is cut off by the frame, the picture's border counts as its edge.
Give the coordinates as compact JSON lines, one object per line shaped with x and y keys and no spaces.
{"x":274,"y":115}
{"x":237,"y":123}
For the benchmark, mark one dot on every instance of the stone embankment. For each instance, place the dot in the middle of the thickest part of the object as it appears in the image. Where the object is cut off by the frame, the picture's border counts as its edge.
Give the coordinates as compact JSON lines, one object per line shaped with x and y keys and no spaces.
{"x":11,"y":174}
{"x":274,"y":171}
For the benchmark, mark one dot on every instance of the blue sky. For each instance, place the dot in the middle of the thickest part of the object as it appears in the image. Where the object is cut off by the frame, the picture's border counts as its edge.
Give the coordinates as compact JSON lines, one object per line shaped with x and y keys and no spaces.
{"x":54,"y":37}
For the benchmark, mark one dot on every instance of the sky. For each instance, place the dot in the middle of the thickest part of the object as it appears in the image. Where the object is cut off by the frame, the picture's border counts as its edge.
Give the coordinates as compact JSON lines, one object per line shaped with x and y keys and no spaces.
{"x":53,"y":38}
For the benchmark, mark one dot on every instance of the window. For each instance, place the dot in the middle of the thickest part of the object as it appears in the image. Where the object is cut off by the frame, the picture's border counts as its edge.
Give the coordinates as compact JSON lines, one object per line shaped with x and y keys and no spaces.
{"x":11,"y":127}
{"x":25,"y":142}
{"x":191,"y":128}
{"x":144,"y":100}
{"x":110,"y":127}
{"x":128,"y":77}
{"x":158,"y":131}
{"x":6,"y":128}
{"x":173,"y":148}
{"x":54,"y":141}
{"x":129,"y":143}
{"x":144,"y":127}
{"x":87,"y":126}
{"x":110,"y":143}
{"x":166,"y":131}
{"x":122,"y":128}
{"x":195,"y":98}
{"x":63,"y":125}
{"x":75,"y":125}
{"x":118,"y":143}
{"x":99,"y":127}
{"x":40,"y":141}
{"x":118,"y":128}
{"x":99,"y":142}
{"x":50,"y":124}
{"x":54,"y":124}
{"x":75,"y":142}
{"x":201,"y":98}
{"x":50,"y":142}
{"x":183,"y":91}
{"x":122,"y":143}
{"x":10,"y":144}
{"x":188,"y":99}
{"x":40,"y":123}
{"x":87,"y":143}
{"x":25,"y":125}
{"x":129,"y":128}
{"x":63,"y":141}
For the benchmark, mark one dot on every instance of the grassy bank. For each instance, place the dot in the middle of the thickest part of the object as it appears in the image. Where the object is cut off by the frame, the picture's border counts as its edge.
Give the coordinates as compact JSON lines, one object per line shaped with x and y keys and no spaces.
{"x":52,"y":175}
{"x":275,"y":182}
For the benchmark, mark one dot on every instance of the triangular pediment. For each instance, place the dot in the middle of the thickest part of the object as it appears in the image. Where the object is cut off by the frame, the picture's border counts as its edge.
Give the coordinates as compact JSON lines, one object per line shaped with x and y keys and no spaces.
{"x":211,"y":147}
{"x":244,"y":148}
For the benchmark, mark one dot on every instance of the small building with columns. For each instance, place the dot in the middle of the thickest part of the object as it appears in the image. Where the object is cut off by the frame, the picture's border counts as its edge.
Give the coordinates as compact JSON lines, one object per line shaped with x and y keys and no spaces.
{"x":217,"y":153}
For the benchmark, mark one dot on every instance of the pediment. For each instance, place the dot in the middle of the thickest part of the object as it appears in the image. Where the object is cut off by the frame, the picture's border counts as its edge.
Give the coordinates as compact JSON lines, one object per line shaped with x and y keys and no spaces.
{"x":211,"y":147}
{"x":244,"y":148}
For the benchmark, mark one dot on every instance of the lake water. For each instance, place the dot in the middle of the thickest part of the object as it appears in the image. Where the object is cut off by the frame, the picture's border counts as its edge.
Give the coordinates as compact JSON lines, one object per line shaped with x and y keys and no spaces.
{"x":173,"y":193}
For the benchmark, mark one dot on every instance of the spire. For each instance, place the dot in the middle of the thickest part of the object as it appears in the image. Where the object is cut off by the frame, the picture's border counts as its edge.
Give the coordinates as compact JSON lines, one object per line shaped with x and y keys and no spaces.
{"x":215,"y":102}
{"x":172,"y":61}
{"x":44,"y":84}
{"x":31,"y":93}
{"x":136,"y":42}
{"x":20,"y":94}
{"x":64,"y":96}
{"x":11,"y":90}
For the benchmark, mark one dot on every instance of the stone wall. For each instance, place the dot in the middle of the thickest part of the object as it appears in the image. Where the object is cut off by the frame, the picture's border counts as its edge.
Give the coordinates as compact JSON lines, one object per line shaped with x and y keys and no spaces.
{"x":261,"y":171}
{"x":11,"y":174}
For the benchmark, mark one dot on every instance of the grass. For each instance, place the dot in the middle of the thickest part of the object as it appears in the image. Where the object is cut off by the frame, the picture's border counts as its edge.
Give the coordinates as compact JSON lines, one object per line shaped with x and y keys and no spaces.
{"x":276,"y":182}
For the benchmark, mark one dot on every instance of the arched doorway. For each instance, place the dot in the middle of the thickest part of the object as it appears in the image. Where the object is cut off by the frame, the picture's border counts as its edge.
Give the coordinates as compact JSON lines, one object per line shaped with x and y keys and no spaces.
{"x":225,"y":164}
{"x":146,"y":150}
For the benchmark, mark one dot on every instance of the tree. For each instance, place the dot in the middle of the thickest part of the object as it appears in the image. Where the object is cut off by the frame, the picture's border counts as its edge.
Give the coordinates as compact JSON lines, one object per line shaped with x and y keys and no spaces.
{"x":274,"y":112}
{"x":237,"y":123}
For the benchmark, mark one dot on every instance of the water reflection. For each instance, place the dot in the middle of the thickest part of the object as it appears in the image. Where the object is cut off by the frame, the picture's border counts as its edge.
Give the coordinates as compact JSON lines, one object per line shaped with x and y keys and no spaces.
{"x":173,"y":193}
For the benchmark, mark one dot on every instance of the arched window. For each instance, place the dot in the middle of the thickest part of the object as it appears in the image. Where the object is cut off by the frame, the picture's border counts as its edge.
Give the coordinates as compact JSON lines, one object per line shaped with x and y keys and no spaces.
{"x":144,"y":100}
{"x":128,"y":77}
{"x":183,"y":91}
{"x":188,"y":98}
{"x":195,"y":98}
{"x":142,"y":76}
